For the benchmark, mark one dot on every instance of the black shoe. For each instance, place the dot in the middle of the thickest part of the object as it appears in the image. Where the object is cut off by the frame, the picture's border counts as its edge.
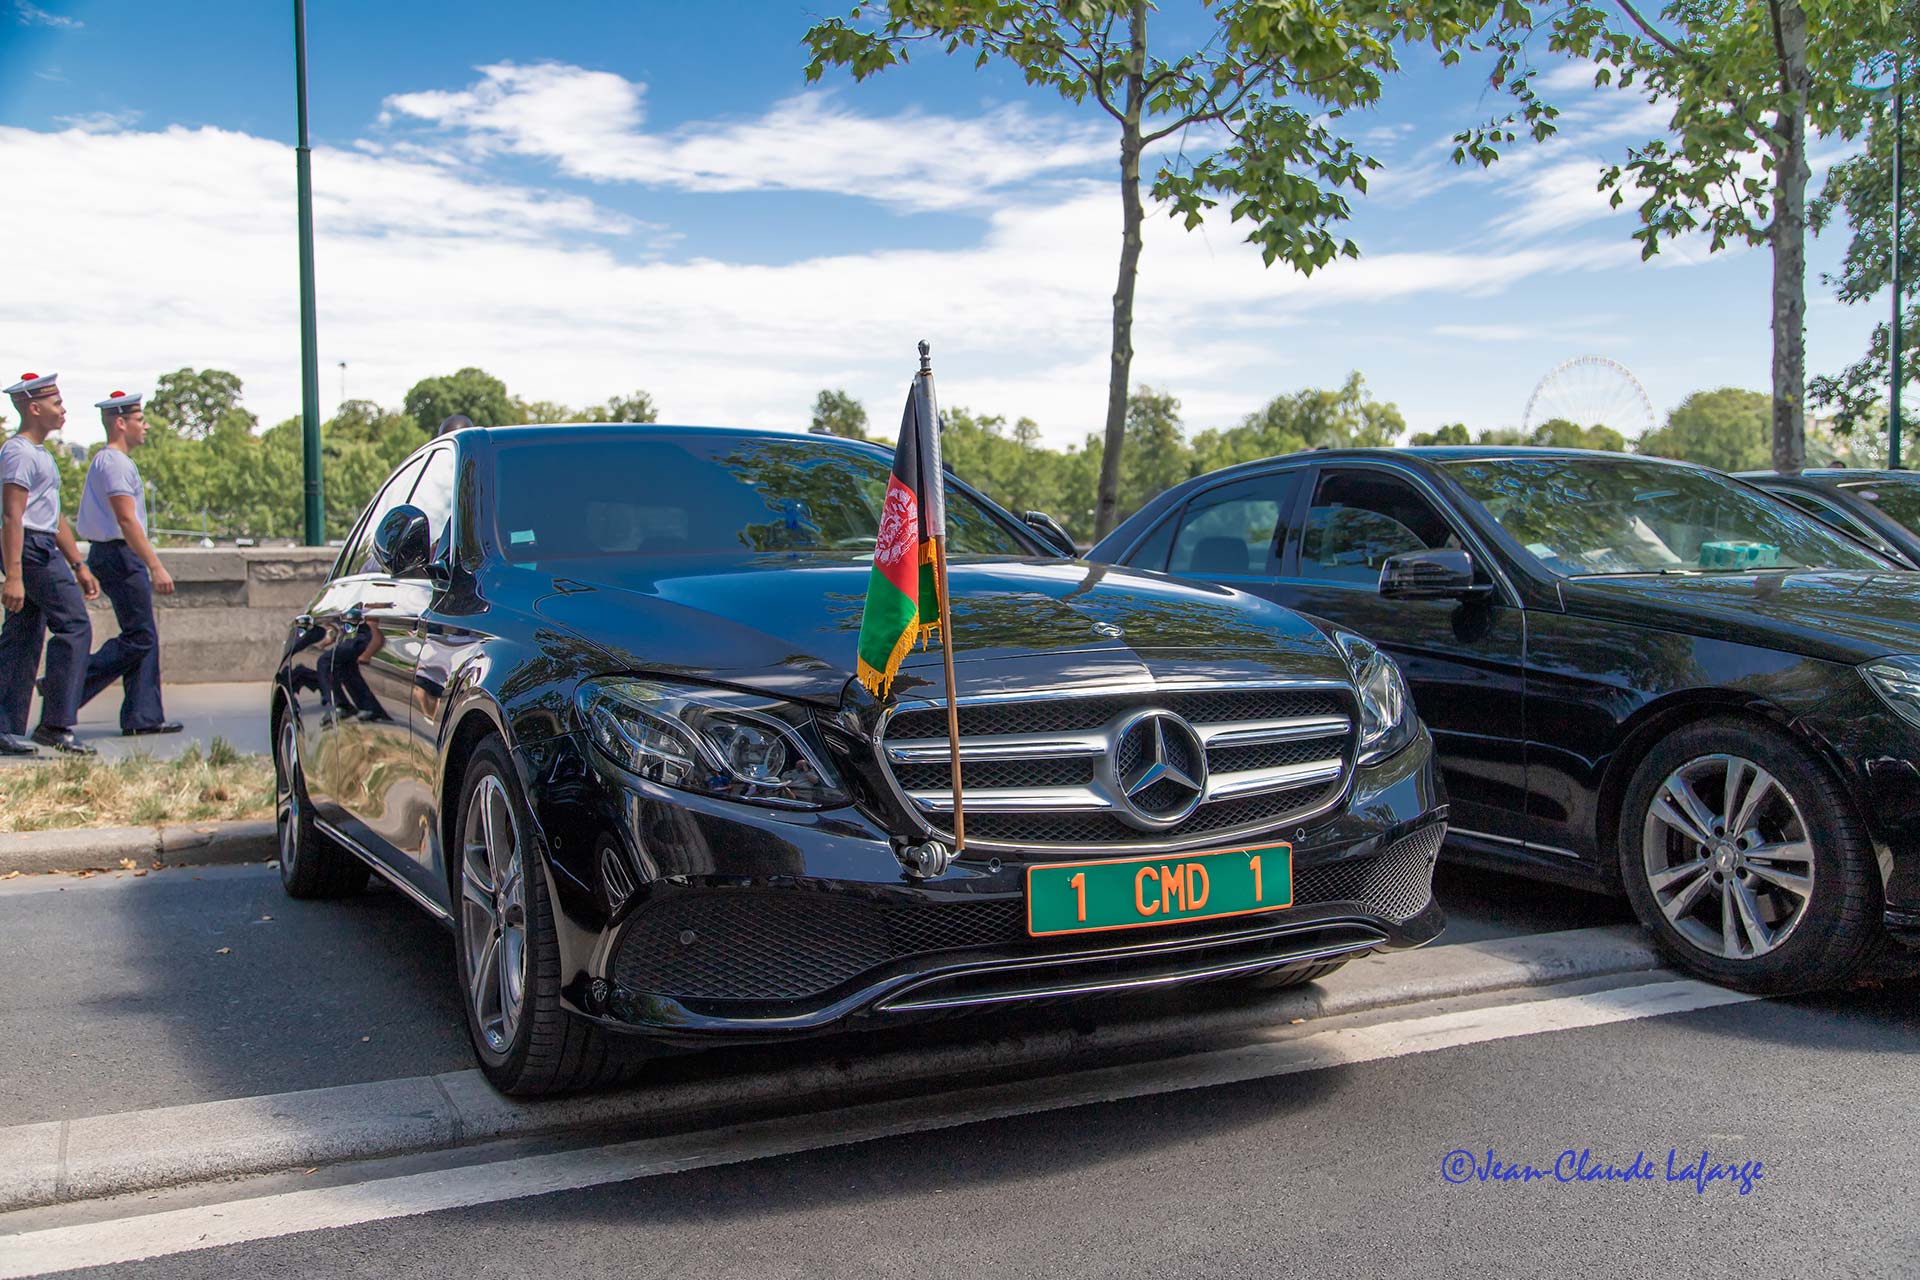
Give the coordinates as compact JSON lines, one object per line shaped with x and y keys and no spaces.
{"x":165,"y":726}
{"x":12,"y":744}
{"x":62,"y":740}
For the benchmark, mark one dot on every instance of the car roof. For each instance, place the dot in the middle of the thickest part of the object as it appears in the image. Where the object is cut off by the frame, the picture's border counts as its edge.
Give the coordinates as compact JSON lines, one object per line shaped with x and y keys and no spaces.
{"x":520,"y":432}
{"x":1432,"y":454}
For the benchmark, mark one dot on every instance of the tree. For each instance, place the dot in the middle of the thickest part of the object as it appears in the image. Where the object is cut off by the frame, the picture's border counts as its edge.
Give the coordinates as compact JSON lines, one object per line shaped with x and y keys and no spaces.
{"x":1336,"y":418}
{"x":1559,"y":433}
{"x":549,"y":412}
{"x":392,"y":435}
{"x":636,"y":407}
{"x":474,"y":392}
{"x":1749,"y":83}
{"x":1861,"y":187}
{"x":1729,"y":429}
{"x":1159,"y":453}
{"x":1450,"y":433}
{"x":1269,"y":83}
{"x":835,"y":413}
{"x":195,"y":404}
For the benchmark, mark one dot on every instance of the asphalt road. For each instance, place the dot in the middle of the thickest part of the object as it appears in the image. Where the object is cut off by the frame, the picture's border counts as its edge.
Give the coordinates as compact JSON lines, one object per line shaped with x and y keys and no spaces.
{"x":195,"y":984}
{"x":1328,"y":1173}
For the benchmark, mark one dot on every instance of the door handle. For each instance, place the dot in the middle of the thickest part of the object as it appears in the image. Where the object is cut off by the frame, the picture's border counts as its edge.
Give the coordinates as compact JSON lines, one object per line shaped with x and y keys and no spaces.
{"x":354,"y":615}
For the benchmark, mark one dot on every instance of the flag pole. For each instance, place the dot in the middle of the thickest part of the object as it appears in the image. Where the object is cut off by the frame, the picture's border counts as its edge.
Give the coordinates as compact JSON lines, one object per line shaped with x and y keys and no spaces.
{"x":946,"y":615}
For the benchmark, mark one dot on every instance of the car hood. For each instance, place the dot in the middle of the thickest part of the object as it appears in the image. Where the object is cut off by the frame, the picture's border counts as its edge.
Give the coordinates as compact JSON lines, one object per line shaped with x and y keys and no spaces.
{"x":1844,"y":617}
{"x":789,"y":625}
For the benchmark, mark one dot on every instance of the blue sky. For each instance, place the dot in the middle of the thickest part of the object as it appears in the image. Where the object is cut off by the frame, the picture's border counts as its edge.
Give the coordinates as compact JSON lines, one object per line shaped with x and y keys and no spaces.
{"x":585,"y":198}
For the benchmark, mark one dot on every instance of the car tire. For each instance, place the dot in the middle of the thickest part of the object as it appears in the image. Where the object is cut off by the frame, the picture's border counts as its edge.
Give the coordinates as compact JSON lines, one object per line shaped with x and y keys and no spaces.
{"x":1782,"y":894}
{"x":1290,"y":975}
{"x":311,"y":866}
{"x":526,"y":1041}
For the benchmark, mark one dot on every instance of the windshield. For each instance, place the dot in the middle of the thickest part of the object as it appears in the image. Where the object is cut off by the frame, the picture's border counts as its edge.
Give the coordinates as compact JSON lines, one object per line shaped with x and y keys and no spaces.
{"x":1585,"y":517}
{"x":709,"y":493}
{"x":1900,"y":499}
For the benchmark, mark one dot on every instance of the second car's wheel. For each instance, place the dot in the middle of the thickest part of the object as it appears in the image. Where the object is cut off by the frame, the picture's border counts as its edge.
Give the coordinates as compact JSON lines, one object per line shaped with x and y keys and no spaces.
{"x":508,"y":952}
{"x":1746,"y":861}
{"x":311,"y":866}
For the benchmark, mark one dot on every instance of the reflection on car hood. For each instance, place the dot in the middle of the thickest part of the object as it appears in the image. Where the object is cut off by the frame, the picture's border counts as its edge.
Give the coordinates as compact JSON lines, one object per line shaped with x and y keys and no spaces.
{"x":1840,"y":616}
{"x":789,"y":624}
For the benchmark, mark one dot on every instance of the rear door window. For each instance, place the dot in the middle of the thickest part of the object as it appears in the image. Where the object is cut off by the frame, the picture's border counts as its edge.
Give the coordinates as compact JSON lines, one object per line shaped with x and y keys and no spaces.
{"x":1231,"y":531}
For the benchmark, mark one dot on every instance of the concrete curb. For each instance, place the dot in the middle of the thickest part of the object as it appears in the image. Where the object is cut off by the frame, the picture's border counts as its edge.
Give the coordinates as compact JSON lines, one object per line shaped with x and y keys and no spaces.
{"x":102,"y":848}
{"x":65,"y":1160}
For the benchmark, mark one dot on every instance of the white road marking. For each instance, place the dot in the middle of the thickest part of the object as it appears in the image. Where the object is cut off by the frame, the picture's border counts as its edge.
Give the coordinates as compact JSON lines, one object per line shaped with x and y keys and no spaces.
{"x":264,"y":1217}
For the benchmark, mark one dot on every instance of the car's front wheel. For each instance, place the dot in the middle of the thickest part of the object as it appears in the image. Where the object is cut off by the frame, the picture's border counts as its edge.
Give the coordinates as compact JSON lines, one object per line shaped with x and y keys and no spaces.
{"x":508,"y":953}
{"x":1745,"y":860}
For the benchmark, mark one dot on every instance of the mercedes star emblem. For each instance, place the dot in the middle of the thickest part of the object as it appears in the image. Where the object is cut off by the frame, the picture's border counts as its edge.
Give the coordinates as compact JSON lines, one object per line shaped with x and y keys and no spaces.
{"x":1160,"y":770}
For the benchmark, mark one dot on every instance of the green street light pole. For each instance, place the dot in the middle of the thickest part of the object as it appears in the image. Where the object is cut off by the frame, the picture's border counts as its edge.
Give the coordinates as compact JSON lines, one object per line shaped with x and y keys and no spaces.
{"x":315,"y":507}
{"x":1899,"y":139}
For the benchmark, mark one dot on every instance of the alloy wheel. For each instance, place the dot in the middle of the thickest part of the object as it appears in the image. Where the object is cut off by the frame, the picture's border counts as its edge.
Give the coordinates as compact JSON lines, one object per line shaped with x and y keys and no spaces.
{"x":286,"y":798}
{"x":1728,"y":857}
{"x":493,"y":914}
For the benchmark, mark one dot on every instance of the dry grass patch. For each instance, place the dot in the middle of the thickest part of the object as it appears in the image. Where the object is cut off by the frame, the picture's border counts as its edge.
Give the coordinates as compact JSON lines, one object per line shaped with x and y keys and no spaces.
{"x":138,"y":790}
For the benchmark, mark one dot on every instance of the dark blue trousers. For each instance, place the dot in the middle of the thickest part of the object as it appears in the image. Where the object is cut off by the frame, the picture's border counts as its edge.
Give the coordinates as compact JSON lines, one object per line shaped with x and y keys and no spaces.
{"x":133,"y":656}
{"x":53,"y":605}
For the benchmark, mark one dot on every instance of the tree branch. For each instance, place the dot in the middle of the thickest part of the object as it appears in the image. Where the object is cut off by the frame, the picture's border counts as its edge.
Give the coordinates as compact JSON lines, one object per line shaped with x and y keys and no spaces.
{"x":1650,"y":31}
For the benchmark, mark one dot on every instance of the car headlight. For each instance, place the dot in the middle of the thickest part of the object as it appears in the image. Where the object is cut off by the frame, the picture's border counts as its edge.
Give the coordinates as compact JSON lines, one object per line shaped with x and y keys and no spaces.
{"x":1387,"y":721}
{"x":1897,"y":681}
{"x":718,"y":742}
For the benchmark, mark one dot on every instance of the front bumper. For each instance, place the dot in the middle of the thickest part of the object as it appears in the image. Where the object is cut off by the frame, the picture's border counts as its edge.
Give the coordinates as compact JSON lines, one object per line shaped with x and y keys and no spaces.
{"x":691,"y":921}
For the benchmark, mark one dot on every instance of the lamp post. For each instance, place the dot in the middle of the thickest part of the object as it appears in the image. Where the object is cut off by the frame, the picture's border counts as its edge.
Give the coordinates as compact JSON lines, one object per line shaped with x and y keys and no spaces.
{"x":1893,"y":399}
{"x":314,"y":505}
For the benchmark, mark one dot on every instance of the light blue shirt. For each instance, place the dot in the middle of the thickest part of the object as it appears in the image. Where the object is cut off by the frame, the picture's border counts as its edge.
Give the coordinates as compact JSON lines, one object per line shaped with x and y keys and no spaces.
{"x":111,"y":474}
{"x":31,"y":467}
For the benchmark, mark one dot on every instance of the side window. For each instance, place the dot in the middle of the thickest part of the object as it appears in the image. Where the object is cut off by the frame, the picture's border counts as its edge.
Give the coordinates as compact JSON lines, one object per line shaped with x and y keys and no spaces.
{"x":359,"y":557}
{"x":1229,"y":531}
{"x":1152,"y":554}
{"x":1827,"y":513}
{"x":434,"y":495}
{"x":1359,"y":518}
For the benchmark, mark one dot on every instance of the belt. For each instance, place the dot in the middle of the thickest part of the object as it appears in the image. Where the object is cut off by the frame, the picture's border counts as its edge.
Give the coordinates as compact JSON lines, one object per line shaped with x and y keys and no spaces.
{"x":39,"y":533}
{"x":106,"y":542}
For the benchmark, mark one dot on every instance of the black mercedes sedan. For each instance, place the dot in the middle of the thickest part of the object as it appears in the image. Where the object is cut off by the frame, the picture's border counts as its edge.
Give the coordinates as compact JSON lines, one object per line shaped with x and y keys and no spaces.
{"x":1638,"y":674}
{"x":1880,"y":508}
{"x":586,"y":695}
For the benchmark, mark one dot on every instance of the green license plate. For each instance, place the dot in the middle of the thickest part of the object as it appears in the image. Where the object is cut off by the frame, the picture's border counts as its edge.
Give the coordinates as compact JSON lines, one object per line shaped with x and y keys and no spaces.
{"x":1137,"y":893}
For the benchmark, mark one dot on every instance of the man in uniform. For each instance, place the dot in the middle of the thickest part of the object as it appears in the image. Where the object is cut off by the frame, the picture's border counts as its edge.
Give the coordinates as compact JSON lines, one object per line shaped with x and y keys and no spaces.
{"x":41,"y":561}
{"x":112,"y":520}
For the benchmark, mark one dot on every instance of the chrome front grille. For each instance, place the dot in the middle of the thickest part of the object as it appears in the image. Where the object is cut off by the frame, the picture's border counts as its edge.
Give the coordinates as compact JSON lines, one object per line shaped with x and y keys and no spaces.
{"x":1052,"y":771}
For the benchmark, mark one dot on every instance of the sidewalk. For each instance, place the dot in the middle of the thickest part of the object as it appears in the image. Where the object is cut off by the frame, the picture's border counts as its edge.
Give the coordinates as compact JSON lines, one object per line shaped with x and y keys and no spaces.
{"x":236,"y":712}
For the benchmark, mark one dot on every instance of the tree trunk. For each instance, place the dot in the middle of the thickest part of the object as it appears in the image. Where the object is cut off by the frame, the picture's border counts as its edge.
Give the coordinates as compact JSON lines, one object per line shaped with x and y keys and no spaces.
{"x":1789,"y":237}
{"x":1107,"y":509}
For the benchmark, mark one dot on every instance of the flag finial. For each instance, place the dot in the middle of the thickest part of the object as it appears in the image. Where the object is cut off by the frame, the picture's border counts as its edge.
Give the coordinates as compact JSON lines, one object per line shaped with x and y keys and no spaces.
{"x":926,"y":356}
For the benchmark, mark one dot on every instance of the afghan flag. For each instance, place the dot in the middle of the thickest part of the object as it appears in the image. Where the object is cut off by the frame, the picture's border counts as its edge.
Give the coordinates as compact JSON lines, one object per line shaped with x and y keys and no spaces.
{"x":903,"y":604}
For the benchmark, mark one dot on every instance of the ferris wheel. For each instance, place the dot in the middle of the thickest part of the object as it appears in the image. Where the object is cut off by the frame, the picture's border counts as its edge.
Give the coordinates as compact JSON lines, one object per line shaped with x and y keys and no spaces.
{"x":1591,"y":391}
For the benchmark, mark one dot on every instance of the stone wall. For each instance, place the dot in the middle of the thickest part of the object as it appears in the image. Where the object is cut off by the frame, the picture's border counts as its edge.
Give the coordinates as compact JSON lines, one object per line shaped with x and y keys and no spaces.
{"x":228,"y":616}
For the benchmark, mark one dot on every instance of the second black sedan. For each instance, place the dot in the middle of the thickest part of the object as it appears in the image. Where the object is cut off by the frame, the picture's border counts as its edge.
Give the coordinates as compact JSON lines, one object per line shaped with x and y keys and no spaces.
{"x":1638,"y":674}
{"x":1880,"y":508}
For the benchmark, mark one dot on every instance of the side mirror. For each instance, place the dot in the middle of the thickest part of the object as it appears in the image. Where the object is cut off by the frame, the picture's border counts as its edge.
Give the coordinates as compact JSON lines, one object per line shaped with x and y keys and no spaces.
{"x":1428,"y":575}
{"x":1051,"y":532}
{"x":403,"y":543}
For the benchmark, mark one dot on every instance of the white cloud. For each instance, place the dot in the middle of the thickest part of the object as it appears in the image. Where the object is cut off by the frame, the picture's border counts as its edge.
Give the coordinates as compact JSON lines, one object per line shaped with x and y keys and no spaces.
{"x":423,"y":268}
{"x":100,"y":121}
{"x":591,"y":124}
{"x":32,"y":15}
